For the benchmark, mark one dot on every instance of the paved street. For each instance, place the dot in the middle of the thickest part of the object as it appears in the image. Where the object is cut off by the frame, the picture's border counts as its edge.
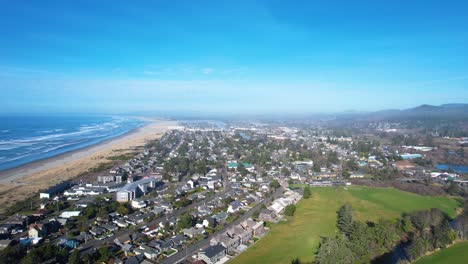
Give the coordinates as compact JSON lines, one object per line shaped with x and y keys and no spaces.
{"x":181,"y":255}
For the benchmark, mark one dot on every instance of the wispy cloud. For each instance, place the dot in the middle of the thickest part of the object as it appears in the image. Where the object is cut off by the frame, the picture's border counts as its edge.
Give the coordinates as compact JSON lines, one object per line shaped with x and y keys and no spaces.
{"x":146,"y":72}
{"x":207,"y":70}
{"x":178,"y":70}
{"x":13,"y":71}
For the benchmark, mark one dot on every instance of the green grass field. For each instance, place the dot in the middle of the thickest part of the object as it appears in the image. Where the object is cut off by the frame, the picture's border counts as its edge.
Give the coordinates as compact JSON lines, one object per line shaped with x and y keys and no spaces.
{"x":456,"y":254}
{"x":300,"y":235}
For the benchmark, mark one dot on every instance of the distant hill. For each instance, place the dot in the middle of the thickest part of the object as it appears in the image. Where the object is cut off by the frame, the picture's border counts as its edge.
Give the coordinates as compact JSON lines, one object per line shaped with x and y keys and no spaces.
{"x":445,"y":111}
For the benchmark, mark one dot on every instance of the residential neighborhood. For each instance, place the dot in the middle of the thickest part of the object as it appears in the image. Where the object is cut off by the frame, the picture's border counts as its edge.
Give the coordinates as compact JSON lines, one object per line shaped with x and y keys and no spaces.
{"x":203,"y":193}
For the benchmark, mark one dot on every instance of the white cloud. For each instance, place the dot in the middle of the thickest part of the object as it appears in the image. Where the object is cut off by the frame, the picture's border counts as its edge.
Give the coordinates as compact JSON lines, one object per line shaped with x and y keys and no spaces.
{"x":151,"y":72}
{"x":207,"y":70}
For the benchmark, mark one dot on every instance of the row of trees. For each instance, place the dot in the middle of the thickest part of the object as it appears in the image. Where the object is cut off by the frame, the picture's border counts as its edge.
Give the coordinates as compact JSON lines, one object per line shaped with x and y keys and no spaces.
{"x":20,"y":254}
{"x":429,"y":230}
{"x":358,"y":242}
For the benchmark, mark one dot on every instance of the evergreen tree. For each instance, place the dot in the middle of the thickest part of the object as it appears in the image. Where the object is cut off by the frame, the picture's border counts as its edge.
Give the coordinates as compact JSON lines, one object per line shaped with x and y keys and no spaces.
{"x":345,"y":219}
{"x":307,"y":192}
{"x":334,"y":250}
{"x":75,"y":258}
{"x":290,"y":210}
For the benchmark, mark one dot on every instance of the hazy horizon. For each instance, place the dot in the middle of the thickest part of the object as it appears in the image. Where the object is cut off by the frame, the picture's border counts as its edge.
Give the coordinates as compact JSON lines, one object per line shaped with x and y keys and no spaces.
{"x":261,"y":57}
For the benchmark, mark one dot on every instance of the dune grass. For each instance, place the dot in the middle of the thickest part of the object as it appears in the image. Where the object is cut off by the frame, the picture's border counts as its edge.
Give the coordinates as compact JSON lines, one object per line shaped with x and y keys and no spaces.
{"x":315,"y":217}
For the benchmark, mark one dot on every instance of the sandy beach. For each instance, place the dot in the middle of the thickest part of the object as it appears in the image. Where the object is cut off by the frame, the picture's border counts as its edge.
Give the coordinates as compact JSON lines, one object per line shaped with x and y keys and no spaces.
{"x":19,"y":183}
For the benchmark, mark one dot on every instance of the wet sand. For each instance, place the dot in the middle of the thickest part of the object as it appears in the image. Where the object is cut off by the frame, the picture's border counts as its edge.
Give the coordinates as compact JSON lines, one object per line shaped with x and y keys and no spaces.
{"x":19,"y":183}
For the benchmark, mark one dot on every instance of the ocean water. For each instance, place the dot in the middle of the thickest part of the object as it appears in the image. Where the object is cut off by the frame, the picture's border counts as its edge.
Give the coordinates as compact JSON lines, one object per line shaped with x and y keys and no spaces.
{"x":24,"y":139}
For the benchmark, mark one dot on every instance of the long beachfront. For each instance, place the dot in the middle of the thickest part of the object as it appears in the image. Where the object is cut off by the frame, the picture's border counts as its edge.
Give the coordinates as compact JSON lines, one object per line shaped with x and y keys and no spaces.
{"x":19,"y":183}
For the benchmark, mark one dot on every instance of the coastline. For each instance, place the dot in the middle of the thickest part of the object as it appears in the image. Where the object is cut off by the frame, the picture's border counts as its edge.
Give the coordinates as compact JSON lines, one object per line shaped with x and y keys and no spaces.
{"x":29,"y":168}
{"x":31,"y":177}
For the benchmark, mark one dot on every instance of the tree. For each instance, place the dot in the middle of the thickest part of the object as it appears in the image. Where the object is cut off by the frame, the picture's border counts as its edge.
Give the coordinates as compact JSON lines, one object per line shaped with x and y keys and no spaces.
{"x":346,"y":174}
{"x":241,"y":169}
{"x":352,"y":165}
{"x":453,"y":188}
{"x":123,"y":209}
{"x":104,"y":254}
{"x":290,"y":210}
{"x":316,"y":167}
{"x":185,"y":221}
{"x":295,"y":261}
{"x":75,"y":257}
{"x":90,"y":211}
{"x":332,"y":158}
{"x":345,"y":219}
{"x":275,"y":184}
{"x":307,"y":192}
{"x":12,"y":254}
{"x":334,"y":250}
{"x":461,"y":223}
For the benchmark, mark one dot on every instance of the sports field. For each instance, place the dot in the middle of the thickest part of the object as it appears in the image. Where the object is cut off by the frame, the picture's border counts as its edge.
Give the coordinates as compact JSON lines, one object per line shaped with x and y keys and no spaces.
{"x":300,"y":235}
{"x":456,"y":254}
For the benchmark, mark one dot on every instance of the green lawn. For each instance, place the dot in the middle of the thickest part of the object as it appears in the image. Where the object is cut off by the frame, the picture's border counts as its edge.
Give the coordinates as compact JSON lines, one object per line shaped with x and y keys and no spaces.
{"x":316,"y":217}
{"x":456,"y":254}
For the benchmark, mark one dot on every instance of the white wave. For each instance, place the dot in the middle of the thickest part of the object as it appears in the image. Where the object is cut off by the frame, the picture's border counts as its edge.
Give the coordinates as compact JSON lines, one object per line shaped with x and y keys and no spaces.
{"x":44,"y":138}
{"x":14,"y":145}
{"x":35,"y":148}
{"x":82,"y":131}
{"x":17,"y":157}
{"x":57,"y":147}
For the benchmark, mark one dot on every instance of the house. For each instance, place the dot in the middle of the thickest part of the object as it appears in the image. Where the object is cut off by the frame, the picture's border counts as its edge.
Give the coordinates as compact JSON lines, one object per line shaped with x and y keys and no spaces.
{"x":203,"y":211}
{"x":126,"y":248}
{"x":136,"y":204}
{"x":123,"y":239}
{"x":69,"y":243}
{"x":220,"y":217}
{"x":233,"y":166}
{"x":137,"y":259}
{"x":267,"y":215}
{"x":54,"y":190}
{"x":243,"y":234}
{"x":235,"y":206}
{"x":278,"y":206}
{"x":164,"y":245}
{"x":255,"y":227}
{"x":110,"y":227}
{"x":97,"y":231}
{"x":113,"y":216}
{"x":5,"y":229}
{"x":148,"y":252}
{"x":228,"y":242}
{"x":68,"y":214}
{"x":106,"y":178}
{"x":212,"y":254}
{"x":178,"y":240}
{"x":37,"y":230}
{"x":17,"y":220}
{"x":120,"y":223}
{"x":135,"y":189}
{"x":193,"y":232}
{"x":83,"y":237}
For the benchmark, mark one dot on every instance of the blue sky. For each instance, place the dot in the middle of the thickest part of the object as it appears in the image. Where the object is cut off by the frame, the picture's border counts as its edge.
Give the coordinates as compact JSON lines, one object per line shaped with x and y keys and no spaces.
{"x":231,"y":56}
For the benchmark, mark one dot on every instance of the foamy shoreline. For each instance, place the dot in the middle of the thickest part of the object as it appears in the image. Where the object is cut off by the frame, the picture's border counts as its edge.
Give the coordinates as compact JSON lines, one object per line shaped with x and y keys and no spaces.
{"x":31,"y":177}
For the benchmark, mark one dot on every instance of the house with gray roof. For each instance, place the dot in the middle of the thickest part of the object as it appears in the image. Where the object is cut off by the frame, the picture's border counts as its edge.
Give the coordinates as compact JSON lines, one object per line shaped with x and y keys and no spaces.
{"x":212,"y":254}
